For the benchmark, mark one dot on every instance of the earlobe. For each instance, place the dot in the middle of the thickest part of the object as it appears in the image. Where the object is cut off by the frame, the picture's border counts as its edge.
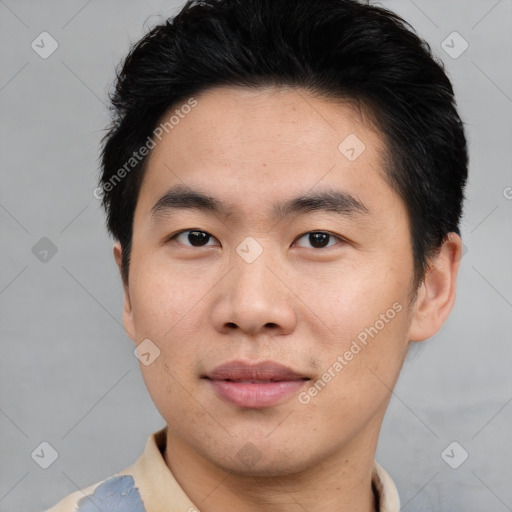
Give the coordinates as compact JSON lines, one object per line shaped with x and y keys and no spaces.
{"x":436,"y":294}
{"x":127,"y":305}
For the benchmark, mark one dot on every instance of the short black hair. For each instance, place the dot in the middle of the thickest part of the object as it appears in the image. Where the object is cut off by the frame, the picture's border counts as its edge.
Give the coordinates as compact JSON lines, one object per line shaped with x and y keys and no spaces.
{"x":337,"y":49}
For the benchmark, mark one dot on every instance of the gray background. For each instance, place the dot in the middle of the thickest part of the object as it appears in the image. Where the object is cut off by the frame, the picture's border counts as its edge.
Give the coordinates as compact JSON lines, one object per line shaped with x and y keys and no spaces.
{"x":67,"y":372}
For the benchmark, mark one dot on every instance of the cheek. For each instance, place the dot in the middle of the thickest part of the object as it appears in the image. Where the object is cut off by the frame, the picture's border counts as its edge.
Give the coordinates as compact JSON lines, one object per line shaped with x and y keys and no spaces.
{"x":166,"y":307}
{"x":367,"y":318}
{"x":349,"y":301}
{"x":164,"y":300}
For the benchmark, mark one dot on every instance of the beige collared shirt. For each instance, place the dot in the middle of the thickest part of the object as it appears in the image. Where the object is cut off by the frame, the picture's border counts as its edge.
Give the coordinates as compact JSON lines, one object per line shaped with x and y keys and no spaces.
{"x":149,"y":486}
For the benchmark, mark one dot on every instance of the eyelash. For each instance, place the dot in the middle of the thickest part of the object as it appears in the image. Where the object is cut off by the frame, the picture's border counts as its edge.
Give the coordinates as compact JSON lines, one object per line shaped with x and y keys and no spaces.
{"x":173,"y":237}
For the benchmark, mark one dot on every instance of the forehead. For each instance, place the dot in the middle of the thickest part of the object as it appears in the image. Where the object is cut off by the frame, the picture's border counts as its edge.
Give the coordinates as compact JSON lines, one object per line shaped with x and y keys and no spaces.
{"x":255,"y":148}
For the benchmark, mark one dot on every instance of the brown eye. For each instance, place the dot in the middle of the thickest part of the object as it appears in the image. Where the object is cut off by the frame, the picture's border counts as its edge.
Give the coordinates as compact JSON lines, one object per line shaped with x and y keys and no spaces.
{"x":319,"y":239}
{"x":192,"y":238}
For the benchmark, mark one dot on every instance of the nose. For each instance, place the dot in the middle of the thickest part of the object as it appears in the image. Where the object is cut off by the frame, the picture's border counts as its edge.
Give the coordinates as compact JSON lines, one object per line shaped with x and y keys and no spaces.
{"x":255,"y":298}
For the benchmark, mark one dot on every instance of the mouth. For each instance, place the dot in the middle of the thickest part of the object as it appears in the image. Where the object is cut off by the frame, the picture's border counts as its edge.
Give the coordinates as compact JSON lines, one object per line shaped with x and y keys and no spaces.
{"x":254,"y":386}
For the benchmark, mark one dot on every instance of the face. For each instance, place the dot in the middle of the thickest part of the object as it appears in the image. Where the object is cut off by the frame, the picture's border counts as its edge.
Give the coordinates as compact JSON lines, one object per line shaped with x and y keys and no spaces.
{"x":320,"y":285}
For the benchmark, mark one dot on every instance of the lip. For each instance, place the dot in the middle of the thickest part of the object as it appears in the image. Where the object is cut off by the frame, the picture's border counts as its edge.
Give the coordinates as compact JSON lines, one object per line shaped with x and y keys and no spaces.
{"x":254,"y":386}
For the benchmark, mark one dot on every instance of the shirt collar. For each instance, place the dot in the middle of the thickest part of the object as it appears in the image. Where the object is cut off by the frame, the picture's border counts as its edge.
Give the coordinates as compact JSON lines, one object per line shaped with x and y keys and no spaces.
{"x":386,"y":490}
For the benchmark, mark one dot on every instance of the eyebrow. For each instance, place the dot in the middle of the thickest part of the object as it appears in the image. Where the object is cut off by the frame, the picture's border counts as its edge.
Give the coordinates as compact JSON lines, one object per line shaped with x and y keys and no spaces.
{"x":334,"y":201}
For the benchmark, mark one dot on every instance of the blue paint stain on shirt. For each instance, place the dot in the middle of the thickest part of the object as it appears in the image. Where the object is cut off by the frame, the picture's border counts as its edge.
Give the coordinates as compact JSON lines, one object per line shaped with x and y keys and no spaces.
{"x":116,"y":494}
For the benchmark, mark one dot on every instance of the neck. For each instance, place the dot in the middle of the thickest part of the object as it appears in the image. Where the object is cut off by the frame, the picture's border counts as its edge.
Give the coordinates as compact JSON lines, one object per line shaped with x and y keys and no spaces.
{"x":340,"y":483}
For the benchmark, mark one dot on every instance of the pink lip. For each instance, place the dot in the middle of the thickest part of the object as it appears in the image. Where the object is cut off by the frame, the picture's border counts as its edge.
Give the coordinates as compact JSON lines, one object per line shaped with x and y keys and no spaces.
{"x":254,"y":385}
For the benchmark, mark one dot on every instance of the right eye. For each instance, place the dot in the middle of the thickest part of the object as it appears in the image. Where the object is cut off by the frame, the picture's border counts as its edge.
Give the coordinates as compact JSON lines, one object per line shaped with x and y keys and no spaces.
{"x":195,"y":237}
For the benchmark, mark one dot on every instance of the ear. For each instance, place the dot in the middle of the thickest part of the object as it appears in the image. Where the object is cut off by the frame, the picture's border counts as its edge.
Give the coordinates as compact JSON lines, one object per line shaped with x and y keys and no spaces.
{"x":436,"y":295}
{"x":127,"y":307}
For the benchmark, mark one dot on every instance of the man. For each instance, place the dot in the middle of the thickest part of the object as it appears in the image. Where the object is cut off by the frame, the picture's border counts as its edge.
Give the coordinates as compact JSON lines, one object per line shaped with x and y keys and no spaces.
{"x":284,"y":181}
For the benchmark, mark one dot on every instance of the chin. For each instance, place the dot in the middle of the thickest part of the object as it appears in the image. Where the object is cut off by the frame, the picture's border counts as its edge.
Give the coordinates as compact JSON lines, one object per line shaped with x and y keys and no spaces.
{"x":272,"y":460}
{"x":265,"y":467}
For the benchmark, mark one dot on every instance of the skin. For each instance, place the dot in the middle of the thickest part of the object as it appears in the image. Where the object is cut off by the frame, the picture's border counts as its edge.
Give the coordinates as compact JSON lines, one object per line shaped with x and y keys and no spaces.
{"x":296,"y":303}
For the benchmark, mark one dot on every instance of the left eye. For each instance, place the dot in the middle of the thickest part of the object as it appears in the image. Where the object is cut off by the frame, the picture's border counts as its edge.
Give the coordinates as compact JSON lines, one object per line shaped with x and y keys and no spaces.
{"x":319,"y":239}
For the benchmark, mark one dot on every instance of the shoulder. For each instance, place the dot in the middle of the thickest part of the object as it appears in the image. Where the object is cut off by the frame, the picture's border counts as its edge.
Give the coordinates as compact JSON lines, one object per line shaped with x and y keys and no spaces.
{"x":118,"y":492}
